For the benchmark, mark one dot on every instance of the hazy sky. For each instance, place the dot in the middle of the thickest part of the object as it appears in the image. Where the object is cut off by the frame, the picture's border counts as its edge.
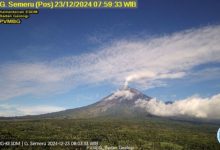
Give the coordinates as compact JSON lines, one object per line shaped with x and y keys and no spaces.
{"x":63,"y":59}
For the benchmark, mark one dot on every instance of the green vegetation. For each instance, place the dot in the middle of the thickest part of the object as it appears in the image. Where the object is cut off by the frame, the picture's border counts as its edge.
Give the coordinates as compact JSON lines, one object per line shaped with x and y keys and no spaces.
{"x":141,"y":134}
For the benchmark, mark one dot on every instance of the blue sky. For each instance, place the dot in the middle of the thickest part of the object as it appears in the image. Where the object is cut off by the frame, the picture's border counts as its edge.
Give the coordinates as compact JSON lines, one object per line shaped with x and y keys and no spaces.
{"x":70,"y":58}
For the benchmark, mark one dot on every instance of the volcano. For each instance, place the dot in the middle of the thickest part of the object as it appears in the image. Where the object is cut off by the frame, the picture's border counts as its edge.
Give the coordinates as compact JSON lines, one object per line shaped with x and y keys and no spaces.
{"x":118,"y":104}
{"x":124,"y":103}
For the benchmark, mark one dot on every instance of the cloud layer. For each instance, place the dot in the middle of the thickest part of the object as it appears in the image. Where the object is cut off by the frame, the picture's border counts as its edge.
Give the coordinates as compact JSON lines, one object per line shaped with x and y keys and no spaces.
{"x":15,"y":110}
{"x":195,"y":107}
{"x":148,"y":62}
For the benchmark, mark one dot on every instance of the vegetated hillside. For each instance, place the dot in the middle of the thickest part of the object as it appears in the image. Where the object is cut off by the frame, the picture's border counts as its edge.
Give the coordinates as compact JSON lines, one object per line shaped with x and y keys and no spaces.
{"x":158,"y":134}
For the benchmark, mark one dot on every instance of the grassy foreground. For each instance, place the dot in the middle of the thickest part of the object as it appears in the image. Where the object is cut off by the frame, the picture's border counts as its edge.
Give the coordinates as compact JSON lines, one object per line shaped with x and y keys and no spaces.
{"x":139,"y":134}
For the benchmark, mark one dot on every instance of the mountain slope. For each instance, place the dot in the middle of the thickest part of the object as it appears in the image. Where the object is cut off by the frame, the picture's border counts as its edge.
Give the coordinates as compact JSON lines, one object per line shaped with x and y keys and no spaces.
{"x":118,"y":104}
{"x":124,"y":103}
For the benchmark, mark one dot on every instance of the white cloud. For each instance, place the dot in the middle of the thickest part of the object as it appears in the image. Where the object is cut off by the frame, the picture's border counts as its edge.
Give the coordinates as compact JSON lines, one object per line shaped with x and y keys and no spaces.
{"x":151,"y":77}
{"x":15,"y":110}
{"x":195,"y":106}
{"x":148,"y":62}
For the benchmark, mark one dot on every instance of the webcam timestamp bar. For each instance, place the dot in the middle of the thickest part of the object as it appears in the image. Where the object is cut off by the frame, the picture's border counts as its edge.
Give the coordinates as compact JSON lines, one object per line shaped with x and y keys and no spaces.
{"x":54,"y":4}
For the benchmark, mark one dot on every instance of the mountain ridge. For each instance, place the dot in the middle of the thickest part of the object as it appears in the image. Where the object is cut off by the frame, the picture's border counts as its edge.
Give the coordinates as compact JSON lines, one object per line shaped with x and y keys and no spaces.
{"x":119,"y":104}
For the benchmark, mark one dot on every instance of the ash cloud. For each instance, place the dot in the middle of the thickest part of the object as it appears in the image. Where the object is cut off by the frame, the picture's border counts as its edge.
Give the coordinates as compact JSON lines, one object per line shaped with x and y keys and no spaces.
{"x":152,"y":76}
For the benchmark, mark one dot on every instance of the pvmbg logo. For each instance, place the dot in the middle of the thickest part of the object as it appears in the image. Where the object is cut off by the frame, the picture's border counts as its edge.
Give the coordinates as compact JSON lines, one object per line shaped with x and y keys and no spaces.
{"x":218,"y":135}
